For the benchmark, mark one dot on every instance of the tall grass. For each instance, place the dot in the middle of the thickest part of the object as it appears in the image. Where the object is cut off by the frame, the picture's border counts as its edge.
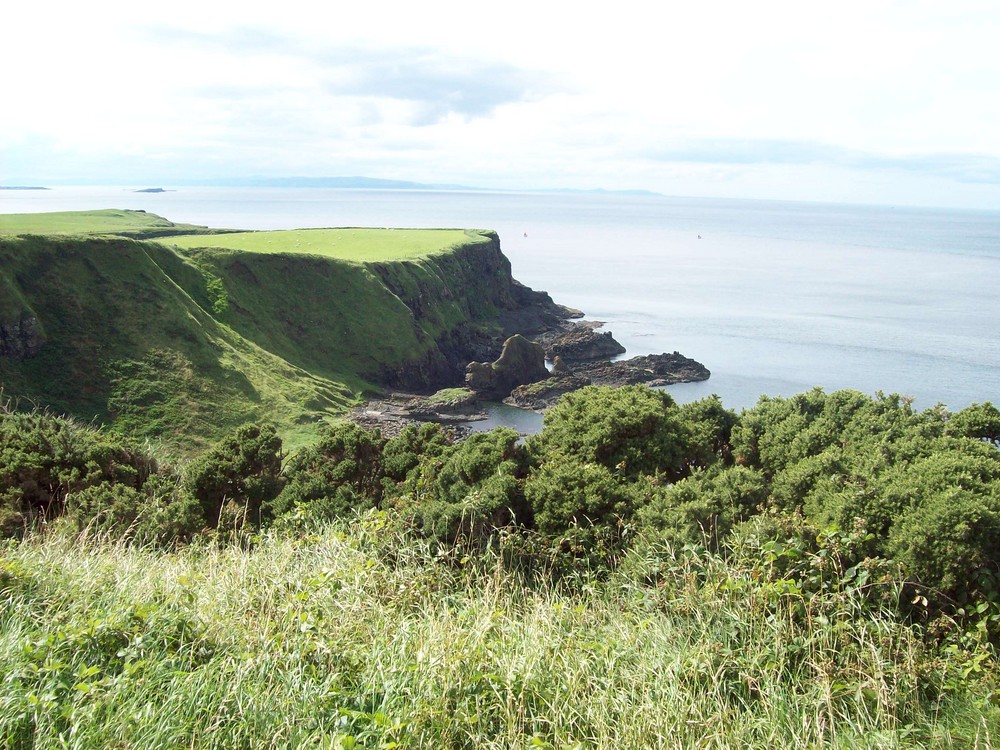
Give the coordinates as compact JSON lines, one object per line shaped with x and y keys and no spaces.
{"x":359,"y":636}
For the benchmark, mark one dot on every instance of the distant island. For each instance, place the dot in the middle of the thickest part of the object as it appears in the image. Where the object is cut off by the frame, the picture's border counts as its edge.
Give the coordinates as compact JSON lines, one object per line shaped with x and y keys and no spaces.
{"x":22,"y":187}
{"x":356,"y":183}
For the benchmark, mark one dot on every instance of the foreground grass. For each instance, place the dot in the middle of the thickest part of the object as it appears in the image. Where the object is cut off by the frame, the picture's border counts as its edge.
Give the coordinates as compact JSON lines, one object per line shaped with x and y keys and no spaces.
{"x":359,"y":245}
{"x":359,"y":637}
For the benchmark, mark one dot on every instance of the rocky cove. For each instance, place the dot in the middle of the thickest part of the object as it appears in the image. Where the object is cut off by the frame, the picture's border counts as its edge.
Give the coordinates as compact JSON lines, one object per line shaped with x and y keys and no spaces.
{"x":532,"y":372}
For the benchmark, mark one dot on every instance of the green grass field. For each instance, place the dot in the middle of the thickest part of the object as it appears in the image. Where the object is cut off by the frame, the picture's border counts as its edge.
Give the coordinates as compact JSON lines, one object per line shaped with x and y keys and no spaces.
{"x":108,"y":221}
{"x":352,"y":244}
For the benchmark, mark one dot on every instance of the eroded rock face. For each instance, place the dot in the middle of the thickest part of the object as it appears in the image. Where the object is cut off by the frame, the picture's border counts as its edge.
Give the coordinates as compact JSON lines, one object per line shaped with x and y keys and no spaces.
{"x":21,"y":339}
{"x":580,"y":343}
{"x":521,"y":362}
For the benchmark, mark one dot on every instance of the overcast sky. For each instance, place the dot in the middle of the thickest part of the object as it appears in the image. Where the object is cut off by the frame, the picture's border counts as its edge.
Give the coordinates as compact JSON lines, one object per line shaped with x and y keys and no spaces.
{"x":855,"y":101}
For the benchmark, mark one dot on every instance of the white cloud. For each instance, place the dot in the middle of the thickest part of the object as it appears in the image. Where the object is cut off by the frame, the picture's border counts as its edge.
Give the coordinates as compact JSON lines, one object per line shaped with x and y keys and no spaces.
{"x":768,"y":100}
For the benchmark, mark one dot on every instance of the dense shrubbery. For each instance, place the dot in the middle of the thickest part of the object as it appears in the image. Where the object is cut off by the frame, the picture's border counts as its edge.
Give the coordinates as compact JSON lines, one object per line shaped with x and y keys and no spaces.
{"x":920,"y":490}
{"x":818,"y":567}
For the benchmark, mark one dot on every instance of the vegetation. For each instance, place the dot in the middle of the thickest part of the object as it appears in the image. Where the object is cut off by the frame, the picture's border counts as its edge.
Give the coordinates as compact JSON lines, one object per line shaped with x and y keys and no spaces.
{"x":182,"y":346}
{"x":122,"y":222}
{"x":820,"y":570}
{"x":354,"y":245}
{"x":817,"y":571}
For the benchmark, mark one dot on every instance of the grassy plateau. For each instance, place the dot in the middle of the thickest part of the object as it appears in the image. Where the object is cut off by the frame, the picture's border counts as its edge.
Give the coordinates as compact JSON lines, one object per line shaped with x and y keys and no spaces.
{"x":353,"y":245}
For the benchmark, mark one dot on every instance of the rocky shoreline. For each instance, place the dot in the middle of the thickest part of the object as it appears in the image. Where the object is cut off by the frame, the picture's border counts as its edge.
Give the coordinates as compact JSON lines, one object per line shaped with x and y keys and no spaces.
{"x":580,"y":356}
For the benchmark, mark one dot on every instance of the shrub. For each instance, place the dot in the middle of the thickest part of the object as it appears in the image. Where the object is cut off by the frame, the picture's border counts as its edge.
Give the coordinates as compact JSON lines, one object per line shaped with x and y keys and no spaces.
{"x":943,"y":542}
{"x":402,"y":454}
{"x":44,"y":459}
{"x":566,"y":492}
{"x":702,"y":508}
{"x":158,"y":513}
{"x":341,"y":472}
{"x":472,"y":489}
{"x":632,"y":430}
{"x":243,"y":469}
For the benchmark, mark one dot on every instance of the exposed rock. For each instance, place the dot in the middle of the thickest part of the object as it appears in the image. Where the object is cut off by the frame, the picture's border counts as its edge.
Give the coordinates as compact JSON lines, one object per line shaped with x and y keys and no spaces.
{"x":652,"y":369}
{"x":521,"y":362}
{"x":534,"y":312}
{"x":392,"y":414}
{"x":445,"y":406}
{"x":21,"y":339}
{"x":579,"y":343}
{"x":559,"y":367}
{"x":544,"y":393}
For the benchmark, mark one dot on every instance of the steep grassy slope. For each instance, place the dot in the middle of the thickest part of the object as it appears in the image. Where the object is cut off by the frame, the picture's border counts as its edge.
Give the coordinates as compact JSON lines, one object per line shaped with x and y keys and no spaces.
{"x":182,"y":344}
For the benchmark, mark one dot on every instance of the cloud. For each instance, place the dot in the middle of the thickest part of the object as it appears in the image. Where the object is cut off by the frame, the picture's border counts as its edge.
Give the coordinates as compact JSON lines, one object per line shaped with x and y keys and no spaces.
{"x":433,"y":84}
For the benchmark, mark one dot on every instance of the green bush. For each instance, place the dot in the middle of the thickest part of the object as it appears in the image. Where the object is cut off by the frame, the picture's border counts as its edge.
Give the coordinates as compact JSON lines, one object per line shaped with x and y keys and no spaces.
{"x":472,"y":489}
{"x":243,"y":471}
{"x":566,"y":493}
{"x":631,"y":430}
{"x":158,"y":513}
{"x":44,"y":459}
{"x":946,"y":540}
{"x":703,"y":508}
{"x":340,"y":473}
{"x":402,"y":454}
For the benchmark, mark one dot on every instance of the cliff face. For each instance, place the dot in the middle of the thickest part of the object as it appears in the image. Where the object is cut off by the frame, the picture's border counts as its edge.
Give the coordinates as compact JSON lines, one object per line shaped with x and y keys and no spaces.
{"x":159,"y":339}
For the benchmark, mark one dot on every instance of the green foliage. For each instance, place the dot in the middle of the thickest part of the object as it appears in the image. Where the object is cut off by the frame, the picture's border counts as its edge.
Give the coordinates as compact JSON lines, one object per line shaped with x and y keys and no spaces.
{"x":566,"y":493}
{"x":402,"y":454}
{"x":45,"y":459}
{"x":709,"y":427}
{"x":357,"y":635}
{"x":216,"y":292}
{"x":980,"y":421}
{"x":946,"y":540}
{"x":160,"y":513}
{"x":242,"y":471}
{"x":631,"y":430}
{"x":472,"y":489}
{"x":703,"y":508}
{"x":923,"y":486}
{"x":342,"y":472}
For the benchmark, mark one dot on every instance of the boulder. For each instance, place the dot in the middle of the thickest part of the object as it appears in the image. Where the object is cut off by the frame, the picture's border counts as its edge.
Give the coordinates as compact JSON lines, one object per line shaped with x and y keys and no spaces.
{"x":521,"y":362}
{"x":580,"y":343}
{"x":21,"y":339}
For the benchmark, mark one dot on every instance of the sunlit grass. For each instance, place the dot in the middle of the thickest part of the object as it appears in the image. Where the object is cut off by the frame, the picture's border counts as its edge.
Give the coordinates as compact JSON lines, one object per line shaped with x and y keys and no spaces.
{"x":361,"y":245}
{"x":107,"y":221}
{"x":358,"y":636}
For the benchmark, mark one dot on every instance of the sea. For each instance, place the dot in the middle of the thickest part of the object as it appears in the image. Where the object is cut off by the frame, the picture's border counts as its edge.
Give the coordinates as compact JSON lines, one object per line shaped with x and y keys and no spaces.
{"x":774,"y":297}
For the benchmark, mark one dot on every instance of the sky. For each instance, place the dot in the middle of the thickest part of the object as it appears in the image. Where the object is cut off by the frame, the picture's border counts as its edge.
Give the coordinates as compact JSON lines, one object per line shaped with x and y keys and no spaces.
{"x":872,"y":101}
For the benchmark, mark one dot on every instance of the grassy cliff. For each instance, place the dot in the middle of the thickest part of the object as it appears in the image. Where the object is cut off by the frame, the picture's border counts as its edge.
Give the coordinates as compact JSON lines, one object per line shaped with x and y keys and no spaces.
{"x":181,"y":337}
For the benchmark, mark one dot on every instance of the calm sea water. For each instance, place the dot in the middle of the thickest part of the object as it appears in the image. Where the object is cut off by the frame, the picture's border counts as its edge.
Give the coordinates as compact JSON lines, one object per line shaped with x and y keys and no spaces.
{"x":774,"y":297}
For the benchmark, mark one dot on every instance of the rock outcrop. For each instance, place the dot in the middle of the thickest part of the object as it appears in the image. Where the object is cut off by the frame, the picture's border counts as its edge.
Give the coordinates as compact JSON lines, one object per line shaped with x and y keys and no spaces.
{"x":22,"y":338}
{"x":579,"y":342}
{"x":651,"y":369}
{"x":521,"y":362}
